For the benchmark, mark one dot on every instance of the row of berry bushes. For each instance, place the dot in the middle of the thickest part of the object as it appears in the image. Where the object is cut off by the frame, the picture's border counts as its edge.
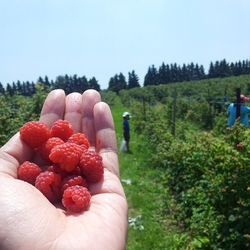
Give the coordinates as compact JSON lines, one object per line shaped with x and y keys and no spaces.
{"x":208,"y":176}
{"x":16,"y":110}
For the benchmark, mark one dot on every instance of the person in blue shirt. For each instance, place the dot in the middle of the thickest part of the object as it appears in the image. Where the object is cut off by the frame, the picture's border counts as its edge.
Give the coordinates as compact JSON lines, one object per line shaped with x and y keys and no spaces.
{"x":126,"y":129}
{"x":244,"y":111}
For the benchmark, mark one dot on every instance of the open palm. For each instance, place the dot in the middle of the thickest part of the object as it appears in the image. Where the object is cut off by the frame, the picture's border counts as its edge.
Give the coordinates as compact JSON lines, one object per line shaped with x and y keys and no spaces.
{"x":29,"y":221}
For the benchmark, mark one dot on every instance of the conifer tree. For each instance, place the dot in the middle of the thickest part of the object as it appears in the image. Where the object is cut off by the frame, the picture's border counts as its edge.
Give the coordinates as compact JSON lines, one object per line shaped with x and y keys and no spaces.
{"x":151,"y":78}
{"x":93,"y":84}
{"x":133,"y":80}
{"x":162,"y":74}
{"x":2,"y":90}
{"x":9,"y":90}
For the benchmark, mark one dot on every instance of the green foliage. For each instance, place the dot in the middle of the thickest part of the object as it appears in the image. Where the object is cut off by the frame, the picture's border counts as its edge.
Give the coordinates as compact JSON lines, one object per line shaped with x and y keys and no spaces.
{"x":16,"y":110}
{"x":208,"y":177}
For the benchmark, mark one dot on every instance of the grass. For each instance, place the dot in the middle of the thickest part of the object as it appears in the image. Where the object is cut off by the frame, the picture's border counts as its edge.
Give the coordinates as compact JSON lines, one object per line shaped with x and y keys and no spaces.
{"x":150,"y":227}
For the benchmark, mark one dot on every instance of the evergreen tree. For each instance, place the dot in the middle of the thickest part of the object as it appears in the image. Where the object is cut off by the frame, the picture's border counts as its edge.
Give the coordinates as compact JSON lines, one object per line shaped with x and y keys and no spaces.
{"x":46,"y":83}
{"x":93,"y":84}
{"x":174,"y":73}
{"x":19,"y":87}
{"x":32,"y":88}
{"x":211,"y":71}
{"x":14,"y":88}
{"x":122,"y":82}
{"x":83,"y":84}
{"x":133,"y":80}
{"x":202,"y":74}
{"x":117,"y":83}
{"x":111,"y":84}
{"x":59,"y":82}
{"x":9,"y":90}
{"x":184,"y":73}
{"x":70,"y":83}
{"x":2,"y":90}
{"x":223,"y":68}
{"x":151,"y":78}
{"x":162,"y":74}
{"x":40,"y":80}
{"x":168,"y":74}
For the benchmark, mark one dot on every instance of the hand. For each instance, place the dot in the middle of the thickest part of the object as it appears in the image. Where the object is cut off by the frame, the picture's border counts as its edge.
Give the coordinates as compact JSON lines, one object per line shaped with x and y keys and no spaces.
{"x":29,"y":221}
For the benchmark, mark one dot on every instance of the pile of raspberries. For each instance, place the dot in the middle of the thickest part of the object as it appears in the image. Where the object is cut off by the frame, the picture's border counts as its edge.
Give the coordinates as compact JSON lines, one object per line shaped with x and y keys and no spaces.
{"x":69,"y":165}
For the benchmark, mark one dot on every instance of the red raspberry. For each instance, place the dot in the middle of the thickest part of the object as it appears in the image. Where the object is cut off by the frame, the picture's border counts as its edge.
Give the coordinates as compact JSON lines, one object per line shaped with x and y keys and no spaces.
{"x":240,"y":146}
{"x":91,"y":165}
{"x":80,"y":139}
{"x":34,"y":133}
{"x":28,"y":171}
{"x":45,"y":149}
{"x":67,"y":155}
{"x":73,"y":180}
{"x":49,"y":184}
{"x":62,"y":129}
{"x":76,"y":199}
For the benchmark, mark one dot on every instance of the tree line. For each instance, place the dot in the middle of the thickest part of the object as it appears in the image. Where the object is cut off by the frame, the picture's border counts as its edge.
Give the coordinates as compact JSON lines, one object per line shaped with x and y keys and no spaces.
{"x":170,"y":73}
{"x":68,"y":83}
{"x":166,"y":73}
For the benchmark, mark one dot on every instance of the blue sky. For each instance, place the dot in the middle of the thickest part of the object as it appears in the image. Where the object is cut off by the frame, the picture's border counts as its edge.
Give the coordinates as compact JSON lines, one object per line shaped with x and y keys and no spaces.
{"x":103,"y":37}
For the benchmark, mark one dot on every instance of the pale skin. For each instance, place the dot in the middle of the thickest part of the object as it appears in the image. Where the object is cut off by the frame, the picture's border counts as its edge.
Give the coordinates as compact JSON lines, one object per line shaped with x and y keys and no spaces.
{"x":29,"y":221}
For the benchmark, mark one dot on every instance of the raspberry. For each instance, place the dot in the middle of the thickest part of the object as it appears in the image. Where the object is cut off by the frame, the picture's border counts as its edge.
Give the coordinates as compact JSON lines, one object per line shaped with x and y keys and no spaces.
{"x":49,"y":184}
{"x":28,"y":171}
{"x":91,"y":165}
{"x":62,"y":129}
{"x":45,"y":149}
{"x":80,"y":139}
{"x":76,"y":199}
{"x":73,"y":181}
{"x":34,"y":133}
{"x":73,"y":165}
{"x":67,"y":155}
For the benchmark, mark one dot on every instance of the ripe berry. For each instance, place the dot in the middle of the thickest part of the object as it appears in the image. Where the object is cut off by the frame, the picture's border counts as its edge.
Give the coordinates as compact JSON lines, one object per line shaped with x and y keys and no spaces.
{"x":62,"y":129}
{"x":49,"y":184}
{"x":46,"y":148}
{"x":76,"y":199}
{"x":67,"y":155}
{"x":28,"y":171}
{"x":34,"y":133}
{"x":80,"y":139}
{"x":239,"y":146}
{"x":91,"y":165}
{"x":73,"y":180}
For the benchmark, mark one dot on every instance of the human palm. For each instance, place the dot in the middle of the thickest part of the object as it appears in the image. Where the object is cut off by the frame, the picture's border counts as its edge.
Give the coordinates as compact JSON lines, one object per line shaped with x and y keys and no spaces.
{"x":29,"y":221}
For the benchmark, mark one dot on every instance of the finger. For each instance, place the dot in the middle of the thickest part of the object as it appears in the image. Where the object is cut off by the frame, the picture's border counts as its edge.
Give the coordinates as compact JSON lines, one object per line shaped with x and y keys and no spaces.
{"x":12,"y":154}
{"x":73,"y":110}
{"x":53,"y":107}
{"x":89,"y":99}
{"x":106,"y":137}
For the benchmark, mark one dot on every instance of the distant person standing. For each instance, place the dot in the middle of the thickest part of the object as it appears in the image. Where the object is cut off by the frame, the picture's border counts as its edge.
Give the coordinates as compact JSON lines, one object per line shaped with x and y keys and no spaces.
{"x":126,"y":129}
{"x":244,"y":111}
